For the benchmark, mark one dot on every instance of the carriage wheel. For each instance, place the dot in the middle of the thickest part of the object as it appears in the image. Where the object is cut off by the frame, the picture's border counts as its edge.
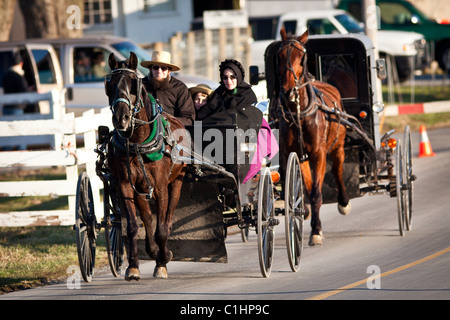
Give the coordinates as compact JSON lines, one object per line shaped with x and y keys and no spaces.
{"x":266,"y":222}
{"x":401,"y":201}
{"x":113,"y":230}
{"x":85,"y":227}
{"x":244,"y":233}
{"x":408,"y":177}
{"x":294,"y":208}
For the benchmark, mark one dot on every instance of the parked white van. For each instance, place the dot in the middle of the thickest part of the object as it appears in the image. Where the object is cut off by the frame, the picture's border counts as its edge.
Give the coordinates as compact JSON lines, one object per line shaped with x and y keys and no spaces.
{"x":79,"y":65}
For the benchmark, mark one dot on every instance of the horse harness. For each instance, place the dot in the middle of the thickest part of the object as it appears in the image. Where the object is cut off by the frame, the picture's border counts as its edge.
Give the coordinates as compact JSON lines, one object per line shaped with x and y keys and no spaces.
{"x":154,"y":146}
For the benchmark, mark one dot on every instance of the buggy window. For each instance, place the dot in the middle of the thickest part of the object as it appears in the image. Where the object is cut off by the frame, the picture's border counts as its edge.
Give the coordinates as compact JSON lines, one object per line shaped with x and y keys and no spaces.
{"x":340,"y":71}
{"x":290,"y":26}
{"x":264,"y":28}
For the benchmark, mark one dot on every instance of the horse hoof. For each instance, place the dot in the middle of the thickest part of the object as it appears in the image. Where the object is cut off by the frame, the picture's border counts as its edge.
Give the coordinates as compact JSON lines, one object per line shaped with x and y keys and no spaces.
{"x":160,"y":272}
{"x":316,"y":239}
{"x":132,"y":274}
{"x":307,"y":214}
{"x":345,"y":210}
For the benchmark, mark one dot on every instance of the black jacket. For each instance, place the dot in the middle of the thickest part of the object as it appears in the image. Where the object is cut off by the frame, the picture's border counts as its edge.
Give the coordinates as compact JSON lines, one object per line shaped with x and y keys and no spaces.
{"x":14,"y":83}
{"x":174,"y":98}
{"x":224,"y":103}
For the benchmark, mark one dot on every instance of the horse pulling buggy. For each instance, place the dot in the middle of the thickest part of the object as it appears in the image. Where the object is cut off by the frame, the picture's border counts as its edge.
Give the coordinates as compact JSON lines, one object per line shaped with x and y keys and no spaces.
{"x":179,"y":206}
{"x":212,"y":197}
{"x":324,"y":125}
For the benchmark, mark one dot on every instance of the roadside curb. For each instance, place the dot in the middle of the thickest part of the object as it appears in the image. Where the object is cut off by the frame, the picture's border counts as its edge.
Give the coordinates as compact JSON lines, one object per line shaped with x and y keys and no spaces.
{"x":426,"y":107}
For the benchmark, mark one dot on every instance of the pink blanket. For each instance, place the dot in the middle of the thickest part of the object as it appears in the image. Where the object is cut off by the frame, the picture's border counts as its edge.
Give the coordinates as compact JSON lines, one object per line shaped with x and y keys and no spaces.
{"x":267,"y":146}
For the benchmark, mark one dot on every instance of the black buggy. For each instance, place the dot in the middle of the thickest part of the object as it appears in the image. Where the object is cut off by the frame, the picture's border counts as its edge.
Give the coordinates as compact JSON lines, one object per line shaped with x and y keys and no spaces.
{"x":373,"y":164}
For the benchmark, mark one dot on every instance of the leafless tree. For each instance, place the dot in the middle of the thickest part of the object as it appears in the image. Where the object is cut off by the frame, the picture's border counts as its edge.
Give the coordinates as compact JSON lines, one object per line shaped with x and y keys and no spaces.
{"x":6,"y":18}
{"x":48,"y":18}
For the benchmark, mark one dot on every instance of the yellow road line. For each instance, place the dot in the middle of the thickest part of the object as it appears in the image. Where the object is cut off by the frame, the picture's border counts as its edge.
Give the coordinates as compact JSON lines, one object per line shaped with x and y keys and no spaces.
{"x":358,"y":283}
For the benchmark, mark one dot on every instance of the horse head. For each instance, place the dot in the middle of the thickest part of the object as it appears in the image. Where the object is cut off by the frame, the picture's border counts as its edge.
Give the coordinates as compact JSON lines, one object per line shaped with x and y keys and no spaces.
{"x":123,"y":88}
{"x":292,"y":64}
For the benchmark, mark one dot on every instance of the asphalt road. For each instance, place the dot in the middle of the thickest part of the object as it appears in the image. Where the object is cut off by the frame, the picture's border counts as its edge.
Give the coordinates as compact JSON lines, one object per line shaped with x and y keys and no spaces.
{"x":357,"y":246}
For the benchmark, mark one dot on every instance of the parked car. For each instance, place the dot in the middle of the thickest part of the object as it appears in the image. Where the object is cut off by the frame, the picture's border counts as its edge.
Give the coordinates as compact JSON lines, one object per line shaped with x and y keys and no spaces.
{"x":79,"y":65}
{"x":402,"y":15}
{"x":41,"y":67}
{"x":403,"y":46}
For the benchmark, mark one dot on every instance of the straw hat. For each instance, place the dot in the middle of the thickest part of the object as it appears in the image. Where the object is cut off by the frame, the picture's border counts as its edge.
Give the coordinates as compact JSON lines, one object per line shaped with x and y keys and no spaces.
{"x":160,"y":58}
{"x":202,"y":88}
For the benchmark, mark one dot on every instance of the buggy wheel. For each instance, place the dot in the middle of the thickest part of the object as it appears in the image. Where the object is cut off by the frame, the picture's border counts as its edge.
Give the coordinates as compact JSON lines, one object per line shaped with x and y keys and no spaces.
{"x":85,"y":227}
{"x":408,"y":177}
{"x":113,"y":230}
{"x":401,"y":201}
{"x":244,"y":233}
{"x":266,"y":222}
{"x":294,"y":208}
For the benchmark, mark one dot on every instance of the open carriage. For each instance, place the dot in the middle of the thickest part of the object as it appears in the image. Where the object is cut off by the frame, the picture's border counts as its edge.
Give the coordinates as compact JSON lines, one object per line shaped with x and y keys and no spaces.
{"x":213,"y":198}
{"x":373,"y":164}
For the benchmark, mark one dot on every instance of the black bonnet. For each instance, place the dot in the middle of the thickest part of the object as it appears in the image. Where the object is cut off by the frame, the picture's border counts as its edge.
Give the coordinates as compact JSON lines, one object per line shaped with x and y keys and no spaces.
{"x":234,"y":65}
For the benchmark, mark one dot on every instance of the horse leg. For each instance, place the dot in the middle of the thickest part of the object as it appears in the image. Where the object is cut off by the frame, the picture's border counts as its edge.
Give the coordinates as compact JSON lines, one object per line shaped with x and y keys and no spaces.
{"x":132,"y":272}
{"x":307,"y":180}
{"x":319,"y":166}
{"x":146,"y":215}
{"x":165,"y":226}
{"x":338,"y":157}
{"x":162,"y":233}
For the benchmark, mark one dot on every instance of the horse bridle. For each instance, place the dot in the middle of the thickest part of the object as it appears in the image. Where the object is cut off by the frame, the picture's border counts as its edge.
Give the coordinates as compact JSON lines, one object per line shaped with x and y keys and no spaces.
{"x":138,"y":104}
{"x":291,"y":44}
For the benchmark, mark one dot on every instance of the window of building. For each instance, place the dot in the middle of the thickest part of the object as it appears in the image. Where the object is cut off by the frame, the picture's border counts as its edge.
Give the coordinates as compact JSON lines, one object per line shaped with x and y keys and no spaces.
{"x":97,"y":12}
{"x":159,"y":5}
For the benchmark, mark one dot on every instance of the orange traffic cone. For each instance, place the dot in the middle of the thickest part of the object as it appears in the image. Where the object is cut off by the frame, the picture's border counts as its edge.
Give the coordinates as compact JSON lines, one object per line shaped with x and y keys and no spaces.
{"x":425,"y":146}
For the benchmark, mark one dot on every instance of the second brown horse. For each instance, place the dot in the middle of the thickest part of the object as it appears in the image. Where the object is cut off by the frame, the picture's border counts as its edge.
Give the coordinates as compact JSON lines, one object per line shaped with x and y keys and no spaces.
{"x":308,"y":113}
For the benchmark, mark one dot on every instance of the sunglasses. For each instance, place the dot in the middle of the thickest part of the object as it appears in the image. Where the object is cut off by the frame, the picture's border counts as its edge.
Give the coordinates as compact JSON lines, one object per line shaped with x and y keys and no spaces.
{"x":225,"y":78}
{"x":160,"y":67}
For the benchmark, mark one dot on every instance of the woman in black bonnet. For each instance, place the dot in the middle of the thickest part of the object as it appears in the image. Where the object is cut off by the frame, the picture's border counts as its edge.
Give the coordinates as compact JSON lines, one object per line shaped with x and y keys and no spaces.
{"x":233,"y":96}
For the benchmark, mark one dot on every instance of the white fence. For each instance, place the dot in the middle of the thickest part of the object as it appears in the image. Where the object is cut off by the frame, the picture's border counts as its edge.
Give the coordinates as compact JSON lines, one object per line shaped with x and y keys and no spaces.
{"x":63,"y":130}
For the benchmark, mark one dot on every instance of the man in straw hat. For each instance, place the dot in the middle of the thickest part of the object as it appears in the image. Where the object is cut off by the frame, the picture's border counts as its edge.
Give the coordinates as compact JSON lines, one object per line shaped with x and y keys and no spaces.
{"x":170,"y":92}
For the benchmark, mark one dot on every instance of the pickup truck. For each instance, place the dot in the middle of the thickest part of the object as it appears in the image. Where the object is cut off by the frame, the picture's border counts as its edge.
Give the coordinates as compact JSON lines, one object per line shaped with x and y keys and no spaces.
{"x":77,"y":65}
{"x":405,"y":47}
{"x":401,"y":15}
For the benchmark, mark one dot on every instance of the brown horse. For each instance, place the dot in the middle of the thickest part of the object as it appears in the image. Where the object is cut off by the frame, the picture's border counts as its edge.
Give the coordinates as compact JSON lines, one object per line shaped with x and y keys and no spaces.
{"x":142,"y":179}
{"x":309,"y":125}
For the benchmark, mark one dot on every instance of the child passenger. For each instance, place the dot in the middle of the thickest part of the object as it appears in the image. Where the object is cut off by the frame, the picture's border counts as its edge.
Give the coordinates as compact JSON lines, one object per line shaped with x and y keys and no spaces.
{"x":200,"y":95}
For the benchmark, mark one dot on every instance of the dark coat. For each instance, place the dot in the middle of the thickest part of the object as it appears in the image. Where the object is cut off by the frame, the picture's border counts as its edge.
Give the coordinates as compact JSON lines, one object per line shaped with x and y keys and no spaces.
{"x":224,"y":103}
{"x":175,"y":99}
{"x":14,"y":83}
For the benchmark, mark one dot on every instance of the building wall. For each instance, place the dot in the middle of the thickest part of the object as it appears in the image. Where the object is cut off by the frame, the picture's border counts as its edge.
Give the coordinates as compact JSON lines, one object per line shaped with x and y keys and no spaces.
{"x":145,"y":27}
{"x":437,"y":9}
